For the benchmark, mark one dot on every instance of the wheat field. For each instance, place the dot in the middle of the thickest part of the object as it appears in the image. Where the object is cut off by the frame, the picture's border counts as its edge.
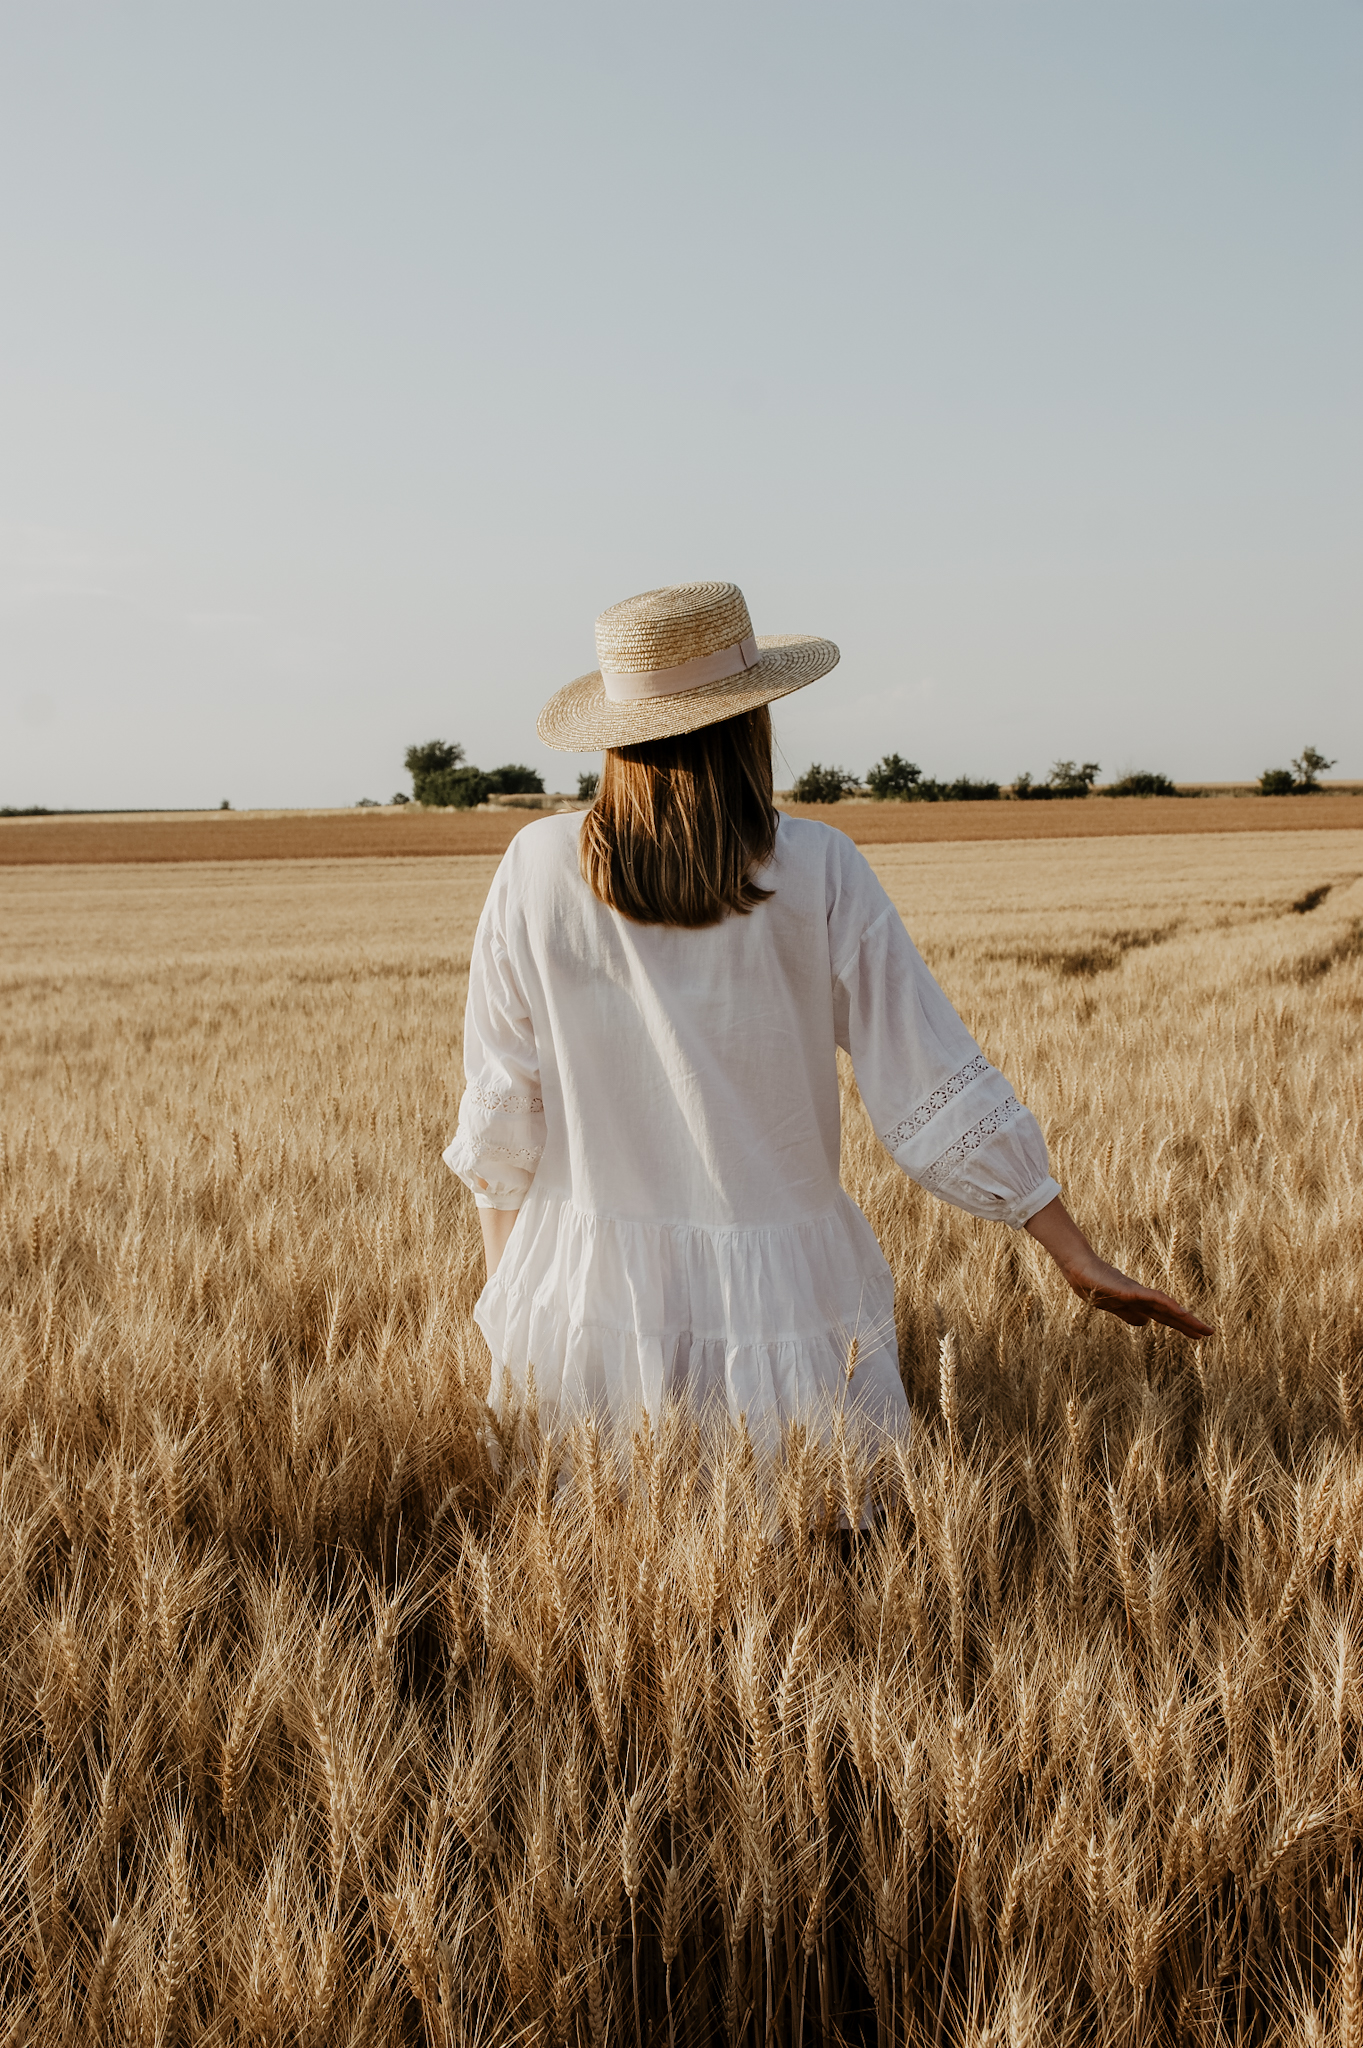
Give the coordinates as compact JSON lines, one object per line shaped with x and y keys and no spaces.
{"x":330,"y":1712}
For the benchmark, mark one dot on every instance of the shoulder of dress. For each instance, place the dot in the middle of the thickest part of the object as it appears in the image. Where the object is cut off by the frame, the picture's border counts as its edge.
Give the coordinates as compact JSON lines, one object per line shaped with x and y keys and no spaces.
{"x":822,"y":846}
{"x":808,"y":838}
{"x":814,"y":832}
{"x":546,"y":843}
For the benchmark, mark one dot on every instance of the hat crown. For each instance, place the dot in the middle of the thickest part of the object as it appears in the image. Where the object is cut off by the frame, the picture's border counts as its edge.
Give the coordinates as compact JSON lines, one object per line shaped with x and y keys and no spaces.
{"x":661,"y":629}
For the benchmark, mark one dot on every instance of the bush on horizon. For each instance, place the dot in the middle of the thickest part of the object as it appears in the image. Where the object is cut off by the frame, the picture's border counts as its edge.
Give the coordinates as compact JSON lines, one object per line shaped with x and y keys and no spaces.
{"x":895,"y":780}
{"x":442,"y":778}
{"x":1301,"y":779}
{"x":964,"y":791}
{"x":1141,"y":782}
{"x":820,"y":785}
{"x":1067,"y":778}
{"x":514,"y":778}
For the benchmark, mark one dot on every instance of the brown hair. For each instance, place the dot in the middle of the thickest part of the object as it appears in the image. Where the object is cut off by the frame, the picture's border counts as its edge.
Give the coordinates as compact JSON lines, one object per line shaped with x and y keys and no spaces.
{"x":679,"y":824}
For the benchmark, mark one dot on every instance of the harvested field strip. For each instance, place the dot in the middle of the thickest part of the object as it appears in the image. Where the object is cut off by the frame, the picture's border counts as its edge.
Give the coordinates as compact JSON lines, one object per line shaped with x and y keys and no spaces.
{"x":388,"y":835}
{"x":240,"y":835}
{"x":1097,"y":817}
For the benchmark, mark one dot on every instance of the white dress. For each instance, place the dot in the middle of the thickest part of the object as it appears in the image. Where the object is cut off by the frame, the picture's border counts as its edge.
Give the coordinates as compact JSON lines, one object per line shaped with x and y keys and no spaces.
{"x":661,"y":1106}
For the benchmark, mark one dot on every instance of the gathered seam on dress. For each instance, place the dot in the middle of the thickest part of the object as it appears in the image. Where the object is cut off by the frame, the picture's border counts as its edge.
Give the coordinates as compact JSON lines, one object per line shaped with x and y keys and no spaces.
{"x":684,"y":1227}
{"x":921,"y":1117}
{"x":833,"y":1333}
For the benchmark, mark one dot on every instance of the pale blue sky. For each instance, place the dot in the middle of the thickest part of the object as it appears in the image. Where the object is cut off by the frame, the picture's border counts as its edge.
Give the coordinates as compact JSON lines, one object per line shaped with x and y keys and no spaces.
{"x":352,"y":357}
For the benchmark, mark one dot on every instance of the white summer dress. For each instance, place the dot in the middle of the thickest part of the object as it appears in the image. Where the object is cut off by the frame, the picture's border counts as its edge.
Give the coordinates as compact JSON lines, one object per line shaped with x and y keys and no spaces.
{"x":661,"y":1105}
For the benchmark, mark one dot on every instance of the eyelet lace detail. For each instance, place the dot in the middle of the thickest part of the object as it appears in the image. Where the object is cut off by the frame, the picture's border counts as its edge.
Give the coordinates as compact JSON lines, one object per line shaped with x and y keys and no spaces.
{"x":939,"y":1098}
{"x":941,"y":1169}
{"x":505,"y":1105}
{"x":528,"y":1156}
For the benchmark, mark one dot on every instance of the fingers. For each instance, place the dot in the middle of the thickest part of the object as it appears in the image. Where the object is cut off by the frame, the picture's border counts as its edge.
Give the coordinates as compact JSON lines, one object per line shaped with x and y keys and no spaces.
{"x":1108,"y":1288}
{"x":1164,"y":1309}
{"x":1190,"y":1325}
{"x":1147,"y":1305}
{"x":1179,"y":1319}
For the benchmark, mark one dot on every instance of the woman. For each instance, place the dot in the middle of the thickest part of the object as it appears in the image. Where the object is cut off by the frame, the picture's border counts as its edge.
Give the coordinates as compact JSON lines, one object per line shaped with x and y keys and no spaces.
{"x":651,"y":1123}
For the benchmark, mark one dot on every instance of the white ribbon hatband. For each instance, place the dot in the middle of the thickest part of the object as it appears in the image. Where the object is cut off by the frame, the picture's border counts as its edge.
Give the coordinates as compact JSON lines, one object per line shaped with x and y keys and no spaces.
{"x":622,"y":688}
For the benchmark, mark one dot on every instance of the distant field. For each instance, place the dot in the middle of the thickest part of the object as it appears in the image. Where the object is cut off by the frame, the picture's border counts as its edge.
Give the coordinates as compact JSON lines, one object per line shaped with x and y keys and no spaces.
{"x":388,"y":834}
{"x":888,"y":824}
{"x":255,"y":835}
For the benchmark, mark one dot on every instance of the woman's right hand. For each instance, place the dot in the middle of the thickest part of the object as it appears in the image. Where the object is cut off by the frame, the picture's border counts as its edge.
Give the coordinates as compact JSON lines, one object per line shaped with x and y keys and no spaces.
{"x":1104,"y":1286}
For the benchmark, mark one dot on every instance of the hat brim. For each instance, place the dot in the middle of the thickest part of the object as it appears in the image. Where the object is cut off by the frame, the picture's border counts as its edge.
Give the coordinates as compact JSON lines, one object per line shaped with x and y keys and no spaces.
{"x":582,"y":719}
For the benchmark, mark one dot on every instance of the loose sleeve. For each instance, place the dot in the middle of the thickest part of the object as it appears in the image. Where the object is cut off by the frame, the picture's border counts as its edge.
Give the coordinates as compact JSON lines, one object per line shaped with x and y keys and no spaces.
{"x":500,"y":1136}
{"x":941,"y":1110}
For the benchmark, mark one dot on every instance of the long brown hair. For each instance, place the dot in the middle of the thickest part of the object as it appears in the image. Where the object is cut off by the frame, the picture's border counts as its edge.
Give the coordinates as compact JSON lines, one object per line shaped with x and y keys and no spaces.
{"x":679,"y":824}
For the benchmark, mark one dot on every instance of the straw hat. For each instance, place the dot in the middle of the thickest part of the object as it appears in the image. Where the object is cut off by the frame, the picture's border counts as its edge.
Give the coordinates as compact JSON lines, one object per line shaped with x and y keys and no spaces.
{"x":673,"y":660}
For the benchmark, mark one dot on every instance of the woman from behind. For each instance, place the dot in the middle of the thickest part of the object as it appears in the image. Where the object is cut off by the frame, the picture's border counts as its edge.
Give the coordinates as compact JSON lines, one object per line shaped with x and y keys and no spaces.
{"x":650,"y":1123}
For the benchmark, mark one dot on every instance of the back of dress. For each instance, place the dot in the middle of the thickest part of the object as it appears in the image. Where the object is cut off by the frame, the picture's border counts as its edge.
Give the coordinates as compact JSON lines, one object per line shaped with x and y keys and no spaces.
{"x":661,"y":1105}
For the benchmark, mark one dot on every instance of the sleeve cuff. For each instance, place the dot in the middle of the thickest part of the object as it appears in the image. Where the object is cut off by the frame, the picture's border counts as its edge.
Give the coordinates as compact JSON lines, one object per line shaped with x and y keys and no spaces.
{"x":494,"y":1180}
{"x":1030,"y":1205}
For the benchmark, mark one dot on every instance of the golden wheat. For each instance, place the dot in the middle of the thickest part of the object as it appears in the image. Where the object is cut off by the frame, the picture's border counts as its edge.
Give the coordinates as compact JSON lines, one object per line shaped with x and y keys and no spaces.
{"x":331,"y":1712}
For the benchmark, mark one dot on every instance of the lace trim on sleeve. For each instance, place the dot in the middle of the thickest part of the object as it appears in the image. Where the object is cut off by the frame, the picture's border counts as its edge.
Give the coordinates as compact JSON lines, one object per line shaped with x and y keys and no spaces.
{"x":942,"y":1168}
{"x":505,"y":1105}
{"x":528,"y":1156}
{"x":939,"y":1098}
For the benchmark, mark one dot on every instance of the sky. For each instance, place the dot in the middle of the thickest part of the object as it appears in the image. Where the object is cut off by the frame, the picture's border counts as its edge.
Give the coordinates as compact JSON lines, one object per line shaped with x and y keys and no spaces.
{"x":354,"y":357}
